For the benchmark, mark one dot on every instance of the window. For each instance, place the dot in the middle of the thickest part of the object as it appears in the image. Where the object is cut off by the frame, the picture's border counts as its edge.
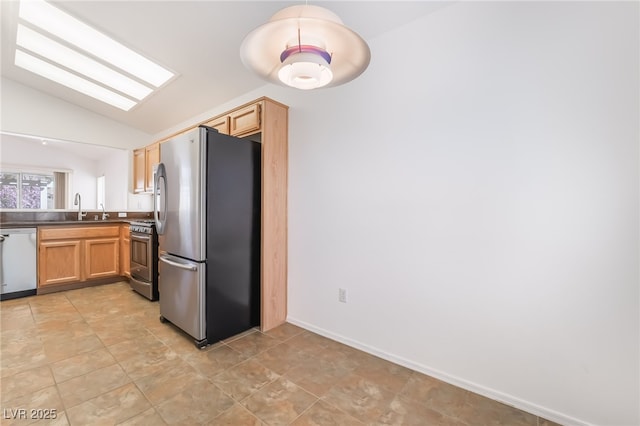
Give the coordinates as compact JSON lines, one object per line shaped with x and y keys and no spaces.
{"x":24,"y":190}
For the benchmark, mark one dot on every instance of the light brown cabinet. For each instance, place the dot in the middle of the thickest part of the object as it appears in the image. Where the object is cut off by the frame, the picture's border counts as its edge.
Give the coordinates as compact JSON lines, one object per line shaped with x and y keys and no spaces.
{"x":125,"y":251}
{"x":221,"y":124}
{"x":246,"y":120}
{"x":243,"y":121}
{"x":139,"y":173}
{"x":59,"y":262}
{"x":152,"y":159}
{"x":76,"y":254}
{"x":101,"y":258}
{"x":144,"y":160}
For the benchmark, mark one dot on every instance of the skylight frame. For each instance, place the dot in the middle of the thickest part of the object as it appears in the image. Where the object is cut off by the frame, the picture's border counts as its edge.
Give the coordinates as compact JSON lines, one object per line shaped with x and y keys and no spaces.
{"x":72,"y":81}
{"x":98,"y":57}
{"x":53,"y":51}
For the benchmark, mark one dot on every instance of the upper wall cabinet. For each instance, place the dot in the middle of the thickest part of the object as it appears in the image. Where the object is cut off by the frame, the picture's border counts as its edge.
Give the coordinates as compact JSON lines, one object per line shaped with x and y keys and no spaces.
{"x":152,"y":159}
{"x":243,"y":121}
{"x":144,"y":160}
{"x":139,"y":161}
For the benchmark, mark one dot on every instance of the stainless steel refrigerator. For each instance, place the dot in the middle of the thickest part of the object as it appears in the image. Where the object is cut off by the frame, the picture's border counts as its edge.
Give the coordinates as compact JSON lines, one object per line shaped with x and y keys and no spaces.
{"x":207,"y":211}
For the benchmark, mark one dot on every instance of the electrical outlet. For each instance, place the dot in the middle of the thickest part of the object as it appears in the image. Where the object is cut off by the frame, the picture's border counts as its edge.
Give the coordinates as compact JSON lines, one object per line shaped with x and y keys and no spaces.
{"x":120,"y":214}
{"x":342,"y":295}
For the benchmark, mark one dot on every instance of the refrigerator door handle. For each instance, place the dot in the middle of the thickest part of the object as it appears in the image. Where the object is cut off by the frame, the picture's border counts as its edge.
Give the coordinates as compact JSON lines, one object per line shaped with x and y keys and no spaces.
{"x":190,"y":266}
{"x":160,"y":198}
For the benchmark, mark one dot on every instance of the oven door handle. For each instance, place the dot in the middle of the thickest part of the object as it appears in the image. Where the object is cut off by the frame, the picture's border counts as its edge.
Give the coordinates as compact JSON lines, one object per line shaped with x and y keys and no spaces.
{"x":187,"y":266}
{"x":140,"y":237}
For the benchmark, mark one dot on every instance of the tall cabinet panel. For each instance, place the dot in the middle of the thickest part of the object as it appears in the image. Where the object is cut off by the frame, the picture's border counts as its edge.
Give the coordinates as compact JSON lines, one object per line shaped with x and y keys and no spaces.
{"x":274,"y":214}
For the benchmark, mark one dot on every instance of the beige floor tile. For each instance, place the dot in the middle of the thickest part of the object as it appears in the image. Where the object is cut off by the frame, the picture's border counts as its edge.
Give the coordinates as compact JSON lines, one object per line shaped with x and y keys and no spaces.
{"x":150,"y":360}
{"x":279,"y":402}
{"x":61,"y":330}
{"x":237,"y":415}
{"x":317,"y":375}
{"x":57,"y":350}
{"x":91,"y":385}
{"x":322,"y":413}
{"x":283,"y":357}
{"x":244,"y":379}
{"x":37,"y":418}
{"x":253,"y":343}
{"x":26,"y":383}
{"x":214,"y":361}
{"x":20,"y":350}
{"x":162,"y":385}
{"x":81,"y":364}
{"x":364,"y":400}
{"x":112,"y":407}
{"x":199,"y":403}
{"x":111,"y":332}
{"x":388,"y":375}
{"x":56,"y":314}
{"x":285,"y":331}
{"x":14,"y":308}
{"x":404,"y":411}
{"x":146,"y":418}
{"x":130,"y":348}
{"x":16,"y":322}
{"x":35,"y":407}
{"x":480,"y":410}
{"x":435,"y":394}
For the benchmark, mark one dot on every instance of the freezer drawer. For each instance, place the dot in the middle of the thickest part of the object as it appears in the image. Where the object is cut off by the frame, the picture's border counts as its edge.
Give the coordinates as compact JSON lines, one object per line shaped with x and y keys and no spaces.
{"x":181,"y":285}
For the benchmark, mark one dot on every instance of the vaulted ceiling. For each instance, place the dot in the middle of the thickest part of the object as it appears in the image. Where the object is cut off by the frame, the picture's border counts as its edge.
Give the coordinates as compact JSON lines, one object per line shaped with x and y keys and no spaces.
{"x":199,"y":40}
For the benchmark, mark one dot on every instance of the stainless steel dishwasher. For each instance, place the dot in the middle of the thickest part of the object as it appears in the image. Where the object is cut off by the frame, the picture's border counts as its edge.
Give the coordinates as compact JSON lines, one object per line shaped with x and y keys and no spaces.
{"x":17,"y":262}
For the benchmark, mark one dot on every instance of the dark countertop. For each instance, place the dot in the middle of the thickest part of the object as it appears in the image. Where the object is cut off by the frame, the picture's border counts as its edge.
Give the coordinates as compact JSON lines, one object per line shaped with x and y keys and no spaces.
{"x":40,"y":218}
{"x":32,"y":223}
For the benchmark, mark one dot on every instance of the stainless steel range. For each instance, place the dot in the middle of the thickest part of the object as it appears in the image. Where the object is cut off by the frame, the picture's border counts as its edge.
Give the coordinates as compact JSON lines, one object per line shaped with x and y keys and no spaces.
{"x":144,"y":258}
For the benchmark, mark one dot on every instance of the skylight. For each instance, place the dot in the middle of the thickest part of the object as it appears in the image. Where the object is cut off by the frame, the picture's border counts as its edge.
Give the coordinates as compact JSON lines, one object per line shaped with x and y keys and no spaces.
{"x":117,"y":73}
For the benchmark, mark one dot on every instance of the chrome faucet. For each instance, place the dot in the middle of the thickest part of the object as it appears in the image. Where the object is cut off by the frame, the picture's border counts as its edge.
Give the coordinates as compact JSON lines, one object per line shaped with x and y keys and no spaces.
{"x":104,"y":215}
{"x":78,"y":202}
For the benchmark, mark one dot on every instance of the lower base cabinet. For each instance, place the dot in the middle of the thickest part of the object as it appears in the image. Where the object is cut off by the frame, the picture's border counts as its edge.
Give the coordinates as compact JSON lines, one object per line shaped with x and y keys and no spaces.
{"x":101,"y":257}
{"x":125,"y":251}
{"x":59,"y":262}
{"x":77,"y":254}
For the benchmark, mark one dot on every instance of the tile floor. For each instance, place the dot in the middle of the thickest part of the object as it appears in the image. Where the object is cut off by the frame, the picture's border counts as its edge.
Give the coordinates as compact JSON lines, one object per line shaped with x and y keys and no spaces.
{"x":100,"y":355}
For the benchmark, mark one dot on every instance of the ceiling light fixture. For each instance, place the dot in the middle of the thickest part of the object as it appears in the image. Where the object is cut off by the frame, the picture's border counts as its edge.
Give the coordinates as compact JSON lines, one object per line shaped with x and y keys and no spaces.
{"x":305,"y":47}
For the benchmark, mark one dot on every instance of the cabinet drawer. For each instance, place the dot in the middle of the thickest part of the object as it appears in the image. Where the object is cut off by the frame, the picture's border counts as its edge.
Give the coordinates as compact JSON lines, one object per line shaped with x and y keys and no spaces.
{"x":64,"y":233}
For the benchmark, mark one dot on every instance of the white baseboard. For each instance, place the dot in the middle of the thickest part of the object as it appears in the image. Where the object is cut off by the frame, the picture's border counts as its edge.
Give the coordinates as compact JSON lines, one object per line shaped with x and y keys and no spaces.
{"x":453,"y":380}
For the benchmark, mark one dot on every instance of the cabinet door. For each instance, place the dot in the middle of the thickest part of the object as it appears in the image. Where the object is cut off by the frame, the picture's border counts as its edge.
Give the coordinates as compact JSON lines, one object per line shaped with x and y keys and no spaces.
{"x":245,"y":121}
{"x":101,"y":257}
{"x":152,"y":158}
{"x":125,"y":252}
{"x":139,"y":170}
{"x":59,"y":262}
{"x":220,"y":124}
